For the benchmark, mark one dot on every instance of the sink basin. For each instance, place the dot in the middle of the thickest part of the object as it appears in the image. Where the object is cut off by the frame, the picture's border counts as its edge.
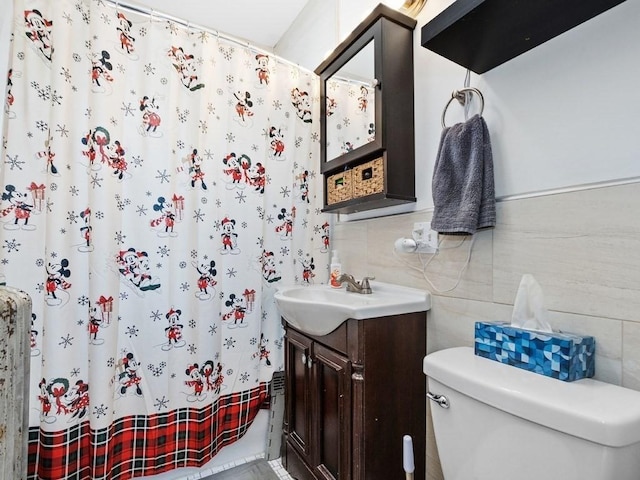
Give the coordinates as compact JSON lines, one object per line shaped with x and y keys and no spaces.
{"x":320,"y":309}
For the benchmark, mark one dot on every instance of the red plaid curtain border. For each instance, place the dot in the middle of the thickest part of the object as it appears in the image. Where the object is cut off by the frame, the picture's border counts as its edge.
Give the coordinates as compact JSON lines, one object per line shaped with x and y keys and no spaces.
{"x":139,"y":445}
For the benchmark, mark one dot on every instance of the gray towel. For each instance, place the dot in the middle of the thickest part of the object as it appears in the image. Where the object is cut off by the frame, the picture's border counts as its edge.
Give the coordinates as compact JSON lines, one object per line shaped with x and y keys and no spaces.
{"x":463,"y":190}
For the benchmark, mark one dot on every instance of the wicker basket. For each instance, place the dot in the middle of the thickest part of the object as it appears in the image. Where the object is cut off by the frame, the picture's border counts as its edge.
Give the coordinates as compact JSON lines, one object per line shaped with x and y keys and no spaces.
{"x":368,"y":178}
{"x":339,"y":187}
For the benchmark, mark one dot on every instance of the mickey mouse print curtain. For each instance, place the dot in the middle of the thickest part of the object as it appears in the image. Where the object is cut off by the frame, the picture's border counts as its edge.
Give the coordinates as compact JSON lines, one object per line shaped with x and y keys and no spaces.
{"x":158,"y":184}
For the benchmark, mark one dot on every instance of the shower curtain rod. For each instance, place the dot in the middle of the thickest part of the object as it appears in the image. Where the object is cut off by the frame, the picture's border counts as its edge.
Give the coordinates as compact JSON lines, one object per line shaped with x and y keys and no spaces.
{"x":185,"y":23}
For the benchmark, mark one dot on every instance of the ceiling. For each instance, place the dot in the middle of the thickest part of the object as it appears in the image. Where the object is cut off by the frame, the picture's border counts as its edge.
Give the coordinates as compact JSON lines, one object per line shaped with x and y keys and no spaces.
{"x":262,"y":23}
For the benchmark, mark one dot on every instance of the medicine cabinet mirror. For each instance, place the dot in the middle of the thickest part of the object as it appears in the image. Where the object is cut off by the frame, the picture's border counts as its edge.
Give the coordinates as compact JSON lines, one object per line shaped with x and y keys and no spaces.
{"x":367,"y":115}
{"x":351,"y":92}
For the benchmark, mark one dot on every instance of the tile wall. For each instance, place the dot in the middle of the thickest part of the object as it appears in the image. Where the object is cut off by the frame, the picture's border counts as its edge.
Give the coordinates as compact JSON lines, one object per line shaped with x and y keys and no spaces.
{"x":582,"y":246}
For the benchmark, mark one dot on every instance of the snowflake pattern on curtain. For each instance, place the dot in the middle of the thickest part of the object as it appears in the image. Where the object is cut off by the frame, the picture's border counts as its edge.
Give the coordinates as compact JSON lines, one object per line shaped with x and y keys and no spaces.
{"x":158,"y":184}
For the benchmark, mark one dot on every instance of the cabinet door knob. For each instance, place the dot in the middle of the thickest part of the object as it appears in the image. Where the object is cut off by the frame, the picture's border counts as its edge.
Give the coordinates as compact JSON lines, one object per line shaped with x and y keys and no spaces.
{"x":306,"y":360}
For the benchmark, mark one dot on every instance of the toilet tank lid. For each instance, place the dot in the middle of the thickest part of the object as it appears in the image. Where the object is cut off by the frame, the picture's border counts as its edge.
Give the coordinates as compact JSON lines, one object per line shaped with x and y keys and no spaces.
{"x":600,"y":412}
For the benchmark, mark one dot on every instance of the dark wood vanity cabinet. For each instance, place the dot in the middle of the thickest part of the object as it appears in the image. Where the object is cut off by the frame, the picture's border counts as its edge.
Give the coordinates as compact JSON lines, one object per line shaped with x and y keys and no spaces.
{"x":352,"y":395}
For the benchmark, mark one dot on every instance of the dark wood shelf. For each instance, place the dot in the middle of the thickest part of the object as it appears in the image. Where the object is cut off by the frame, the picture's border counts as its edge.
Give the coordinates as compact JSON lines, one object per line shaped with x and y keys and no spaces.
{"x":376,"y":200}
{"x":482,"y":34}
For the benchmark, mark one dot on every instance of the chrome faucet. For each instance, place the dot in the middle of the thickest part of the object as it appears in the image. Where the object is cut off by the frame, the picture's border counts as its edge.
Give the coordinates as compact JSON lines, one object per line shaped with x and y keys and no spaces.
{"x":353,"y":285}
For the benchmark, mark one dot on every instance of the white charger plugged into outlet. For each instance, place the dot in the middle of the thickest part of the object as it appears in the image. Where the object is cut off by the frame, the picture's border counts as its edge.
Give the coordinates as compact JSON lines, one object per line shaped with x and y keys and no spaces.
{"x":424,"y":240}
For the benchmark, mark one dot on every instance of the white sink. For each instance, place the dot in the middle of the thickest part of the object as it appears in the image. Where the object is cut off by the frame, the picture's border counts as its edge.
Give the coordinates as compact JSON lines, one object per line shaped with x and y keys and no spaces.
{"x":320,"y":309}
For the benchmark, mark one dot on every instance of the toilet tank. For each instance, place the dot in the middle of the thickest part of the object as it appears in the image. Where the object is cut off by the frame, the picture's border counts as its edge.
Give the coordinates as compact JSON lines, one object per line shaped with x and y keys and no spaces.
{"x":506,"y":423}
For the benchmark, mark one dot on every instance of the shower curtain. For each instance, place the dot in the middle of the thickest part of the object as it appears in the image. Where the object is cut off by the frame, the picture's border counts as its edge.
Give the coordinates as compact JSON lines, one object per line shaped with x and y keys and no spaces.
{"x":158,"y":184}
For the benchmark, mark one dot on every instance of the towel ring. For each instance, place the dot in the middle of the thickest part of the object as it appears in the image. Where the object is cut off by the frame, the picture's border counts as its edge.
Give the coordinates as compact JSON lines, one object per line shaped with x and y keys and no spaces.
{"x":459,"y":95}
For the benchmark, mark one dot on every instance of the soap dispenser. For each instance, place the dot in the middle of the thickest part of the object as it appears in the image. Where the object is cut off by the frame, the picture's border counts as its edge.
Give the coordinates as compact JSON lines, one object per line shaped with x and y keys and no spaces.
{"x":335,"y":270}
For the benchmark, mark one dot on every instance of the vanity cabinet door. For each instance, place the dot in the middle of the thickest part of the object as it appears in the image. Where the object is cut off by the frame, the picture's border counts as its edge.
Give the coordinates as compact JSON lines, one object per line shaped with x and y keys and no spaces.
{"x":352,"y":395}
{"x":299,"y":397}
{"x":332,"y":373}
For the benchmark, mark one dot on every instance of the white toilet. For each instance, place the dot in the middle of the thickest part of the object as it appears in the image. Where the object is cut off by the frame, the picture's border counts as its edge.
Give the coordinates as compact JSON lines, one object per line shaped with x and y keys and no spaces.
{"x":498,"y":422}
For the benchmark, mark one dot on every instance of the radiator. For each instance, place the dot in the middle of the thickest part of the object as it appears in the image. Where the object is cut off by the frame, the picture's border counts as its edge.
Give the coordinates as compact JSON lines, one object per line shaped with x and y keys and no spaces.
{"x":15,"y":345}
{"x":276,"y":416}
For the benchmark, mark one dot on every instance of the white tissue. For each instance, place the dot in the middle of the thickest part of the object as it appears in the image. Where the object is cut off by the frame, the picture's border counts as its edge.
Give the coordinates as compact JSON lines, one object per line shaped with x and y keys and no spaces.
{"x":529,"y":311}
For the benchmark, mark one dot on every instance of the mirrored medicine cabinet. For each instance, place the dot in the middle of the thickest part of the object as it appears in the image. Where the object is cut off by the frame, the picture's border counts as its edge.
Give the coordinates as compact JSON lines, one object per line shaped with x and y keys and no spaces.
{"x":367,"y":116}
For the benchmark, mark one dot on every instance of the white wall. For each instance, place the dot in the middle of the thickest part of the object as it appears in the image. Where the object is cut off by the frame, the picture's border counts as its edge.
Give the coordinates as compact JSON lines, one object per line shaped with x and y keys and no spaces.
{"x":562,"y":115}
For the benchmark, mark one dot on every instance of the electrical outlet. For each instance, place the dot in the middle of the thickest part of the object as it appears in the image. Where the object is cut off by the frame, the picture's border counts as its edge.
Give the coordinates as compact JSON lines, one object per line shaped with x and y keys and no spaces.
{"x":420,"y":231}
{"x":431,"y":238}
{"x":426,"y":239}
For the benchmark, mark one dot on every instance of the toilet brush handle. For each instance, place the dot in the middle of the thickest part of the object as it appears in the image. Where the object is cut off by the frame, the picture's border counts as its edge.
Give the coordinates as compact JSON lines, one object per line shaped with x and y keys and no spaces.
{"x":407,"y":457}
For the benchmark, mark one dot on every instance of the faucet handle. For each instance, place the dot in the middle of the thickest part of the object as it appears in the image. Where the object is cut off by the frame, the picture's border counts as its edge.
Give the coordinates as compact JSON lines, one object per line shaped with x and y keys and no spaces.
{"x":365,"y":282}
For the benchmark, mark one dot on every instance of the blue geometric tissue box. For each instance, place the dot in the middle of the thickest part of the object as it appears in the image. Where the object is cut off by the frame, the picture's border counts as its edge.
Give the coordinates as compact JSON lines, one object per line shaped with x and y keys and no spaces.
{"x":563,"y":356}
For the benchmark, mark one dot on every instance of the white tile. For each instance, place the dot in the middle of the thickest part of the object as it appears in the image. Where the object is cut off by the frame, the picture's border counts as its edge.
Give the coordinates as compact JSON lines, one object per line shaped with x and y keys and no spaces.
{"x":451,"y":321}
{"x":463,"y":267}
{"x":277,"y":467}
{"x":582,"y":247}
{"x":350,"y":240}
{"x":608,"y":336}
{"x":366,"y":248}
{"x":631,"y":355}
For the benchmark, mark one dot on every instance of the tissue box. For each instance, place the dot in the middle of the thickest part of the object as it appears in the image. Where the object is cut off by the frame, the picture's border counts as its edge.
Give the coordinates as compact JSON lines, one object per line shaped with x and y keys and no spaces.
{"x":563,"y":356}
